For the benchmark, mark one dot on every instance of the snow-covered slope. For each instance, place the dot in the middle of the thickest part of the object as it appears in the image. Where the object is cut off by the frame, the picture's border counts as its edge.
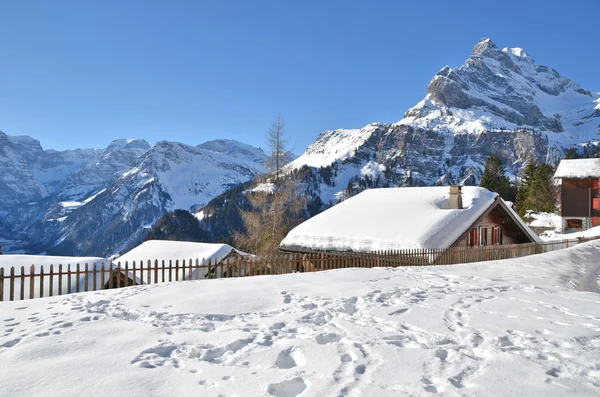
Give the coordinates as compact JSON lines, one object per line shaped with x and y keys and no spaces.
{"x":500,"y":101}
{"x":102,"y":201}
{"x":521,"y":327}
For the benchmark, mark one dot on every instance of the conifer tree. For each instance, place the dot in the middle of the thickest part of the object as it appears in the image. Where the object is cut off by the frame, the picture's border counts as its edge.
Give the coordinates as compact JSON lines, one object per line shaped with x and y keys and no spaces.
{"x":494,"y":178}
{"x":572,"y":153}
{"x":527,"y":178}
{"x":543,"y":192}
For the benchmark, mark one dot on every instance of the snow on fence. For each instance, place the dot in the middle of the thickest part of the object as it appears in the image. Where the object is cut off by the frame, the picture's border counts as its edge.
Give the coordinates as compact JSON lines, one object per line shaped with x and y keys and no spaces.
{"x":38,"y":282}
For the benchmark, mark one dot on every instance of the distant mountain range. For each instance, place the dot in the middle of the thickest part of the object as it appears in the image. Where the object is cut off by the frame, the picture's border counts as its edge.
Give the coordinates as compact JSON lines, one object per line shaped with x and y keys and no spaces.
{"x":105,"y":200}
{"x":102,"y":201}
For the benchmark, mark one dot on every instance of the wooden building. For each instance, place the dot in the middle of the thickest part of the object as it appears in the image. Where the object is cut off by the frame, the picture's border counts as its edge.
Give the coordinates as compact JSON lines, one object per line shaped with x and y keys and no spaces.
{"x":579,"y":196}
{"x":407,"y":218}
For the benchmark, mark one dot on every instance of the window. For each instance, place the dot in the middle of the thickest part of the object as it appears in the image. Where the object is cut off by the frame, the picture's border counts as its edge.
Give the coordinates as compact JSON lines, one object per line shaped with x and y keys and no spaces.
{"x":483,"y":236}
{"x":496,"y":236}
{"x":595,"y":183}
{"x":595,"y":204}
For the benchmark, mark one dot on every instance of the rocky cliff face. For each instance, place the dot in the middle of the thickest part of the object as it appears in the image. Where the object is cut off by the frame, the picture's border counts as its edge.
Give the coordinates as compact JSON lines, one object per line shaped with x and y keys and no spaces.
{"x":104,"y":201}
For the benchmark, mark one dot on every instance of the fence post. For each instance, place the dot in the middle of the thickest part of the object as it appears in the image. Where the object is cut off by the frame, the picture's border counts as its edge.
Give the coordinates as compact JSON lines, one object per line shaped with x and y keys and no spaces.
{"x":12,"y":283}
{"x":51,"y":281}
{"x":142,"y":271}
{"x":133,"y":272}
{"x":42,"y":281}
{"x":60,"y":276}
{"x":102,"y":270}
{"x":149,"y":269}
{"x":155,"y":271}
{"x":1,"y":284}
{"x":86,"y":276}
{"x":22,"y":286}
{"x":77,"y":278}
{"x":163,"y":270}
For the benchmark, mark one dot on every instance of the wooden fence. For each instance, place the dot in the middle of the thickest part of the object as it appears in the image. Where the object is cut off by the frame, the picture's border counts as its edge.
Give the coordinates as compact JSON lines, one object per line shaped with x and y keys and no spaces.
{"x":35,"y":282}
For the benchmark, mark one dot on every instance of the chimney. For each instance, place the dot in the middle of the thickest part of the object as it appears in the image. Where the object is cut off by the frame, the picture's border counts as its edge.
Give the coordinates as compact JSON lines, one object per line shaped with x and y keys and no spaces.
{"x":455,"y":198}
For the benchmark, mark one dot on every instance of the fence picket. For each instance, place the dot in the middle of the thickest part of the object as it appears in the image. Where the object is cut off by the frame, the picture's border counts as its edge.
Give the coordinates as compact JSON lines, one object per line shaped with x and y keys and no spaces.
{"x":51,"y":280}
{"x":155,"y":271}
{"x":86,"y":278}
{"x":133,"y":272}
{"x":60,"y":276}
{"x":11,"y":292}
{"x":77,"y":278}
{"x":1,"y":284}
{"x":22,"y":286}
{"x":32,"y":282}
{"x":41,"y":281}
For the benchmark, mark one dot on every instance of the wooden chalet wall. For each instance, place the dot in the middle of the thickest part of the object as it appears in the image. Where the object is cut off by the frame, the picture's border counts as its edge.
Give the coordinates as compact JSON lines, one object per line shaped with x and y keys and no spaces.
{"x":497,"y":217}
{"x":577,"y":197}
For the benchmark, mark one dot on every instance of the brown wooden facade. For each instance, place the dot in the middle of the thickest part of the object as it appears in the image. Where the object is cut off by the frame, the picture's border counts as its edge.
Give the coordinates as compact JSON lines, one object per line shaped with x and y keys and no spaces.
{"x":580,"y":198}
{"x":497,"y":226}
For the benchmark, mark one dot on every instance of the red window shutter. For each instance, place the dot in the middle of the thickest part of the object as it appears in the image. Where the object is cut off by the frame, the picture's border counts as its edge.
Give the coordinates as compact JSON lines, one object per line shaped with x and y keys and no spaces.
{"x":596,"y":203}
{"x":595,"y":183}
{"x":496,"y":234}
{"x":474,"y":238}
{"x":595,"y":221}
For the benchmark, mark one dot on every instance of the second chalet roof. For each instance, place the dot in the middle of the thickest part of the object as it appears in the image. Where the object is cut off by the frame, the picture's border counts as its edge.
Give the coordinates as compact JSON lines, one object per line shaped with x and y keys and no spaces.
{"x":578,"y":168}
{"x":176,"y":250}
{"x":392,"y":218}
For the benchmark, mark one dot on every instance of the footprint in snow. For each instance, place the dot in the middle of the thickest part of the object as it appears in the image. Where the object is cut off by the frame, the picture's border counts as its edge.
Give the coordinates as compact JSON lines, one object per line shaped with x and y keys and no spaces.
{"x":287,"y":388}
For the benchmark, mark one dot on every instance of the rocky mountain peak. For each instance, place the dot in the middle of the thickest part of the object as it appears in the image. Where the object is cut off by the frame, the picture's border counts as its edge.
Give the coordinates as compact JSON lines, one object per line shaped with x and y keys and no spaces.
{"x":485,"y":47}
{"x":119,"y":144}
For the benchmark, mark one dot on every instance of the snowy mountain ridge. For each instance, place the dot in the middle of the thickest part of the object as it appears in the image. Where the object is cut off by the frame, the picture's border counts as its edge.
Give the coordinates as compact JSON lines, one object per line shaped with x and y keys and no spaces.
{"x":500,"y":101}
{"x":103,"y":200}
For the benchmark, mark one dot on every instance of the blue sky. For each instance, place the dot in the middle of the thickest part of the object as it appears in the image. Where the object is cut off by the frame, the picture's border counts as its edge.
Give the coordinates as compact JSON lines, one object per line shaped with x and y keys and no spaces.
{"x":82,"y":73}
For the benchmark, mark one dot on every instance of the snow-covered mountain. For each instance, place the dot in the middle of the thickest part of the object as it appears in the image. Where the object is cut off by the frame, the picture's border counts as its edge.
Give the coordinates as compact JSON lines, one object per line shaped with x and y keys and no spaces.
{"x":500,"y":101}
{"x":103,"y":200}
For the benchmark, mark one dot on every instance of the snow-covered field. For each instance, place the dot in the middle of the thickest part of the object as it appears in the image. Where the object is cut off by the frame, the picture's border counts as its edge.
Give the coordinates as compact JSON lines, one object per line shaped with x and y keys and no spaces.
{"x":527,"y":327}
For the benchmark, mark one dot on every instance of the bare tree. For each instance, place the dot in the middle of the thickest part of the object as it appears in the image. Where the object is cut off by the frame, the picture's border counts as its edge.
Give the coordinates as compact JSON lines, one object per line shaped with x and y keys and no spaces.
{"x":275,"y":205}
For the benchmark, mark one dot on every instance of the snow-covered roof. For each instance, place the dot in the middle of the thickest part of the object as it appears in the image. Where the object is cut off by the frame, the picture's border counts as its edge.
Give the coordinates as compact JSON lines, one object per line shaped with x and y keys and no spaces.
{"x":578,"y":168}
{"x":393,"y":218}
{"x":16,"y":261}
{"x":166,"y":251}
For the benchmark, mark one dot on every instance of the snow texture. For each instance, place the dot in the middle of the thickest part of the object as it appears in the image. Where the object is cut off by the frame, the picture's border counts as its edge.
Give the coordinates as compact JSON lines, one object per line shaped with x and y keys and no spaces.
{"x":592,"y":232}
{"x":527,"y":326}
{"x":390,"y":219}
{"x":544,"y":219}
{"x":578,"y":168}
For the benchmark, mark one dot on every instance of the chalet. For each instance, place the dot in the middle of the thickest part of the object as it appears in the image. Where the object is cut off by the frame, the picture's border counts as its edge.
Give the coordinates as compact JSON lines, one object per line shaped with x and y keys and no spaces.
{"x":579,"y":196}
{"x":437,"y":217}
{"x":176,"y":252}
